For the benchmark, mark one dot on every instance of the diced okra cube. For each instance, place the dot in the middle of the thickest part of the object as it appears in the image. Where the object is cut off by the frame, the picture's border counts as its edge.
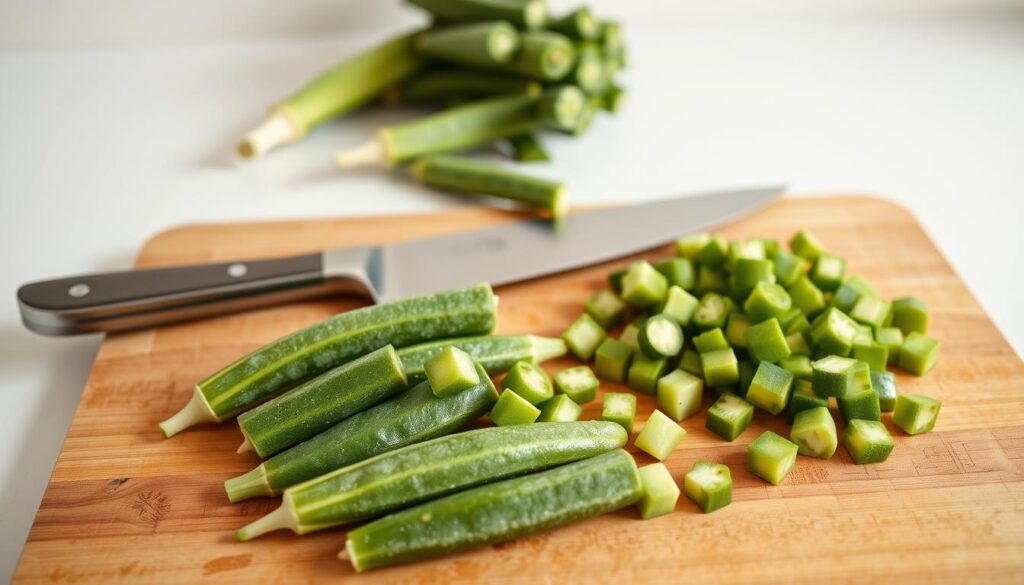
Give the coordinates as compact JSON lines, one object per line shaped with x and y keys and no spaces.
{"x":863,"y":335}
{"x":644,"y":373}
{"x":766,"y":342}
{"x":710,"y":280}
{"x":803,"y":398}
{"x":767,"y":301}
{"x":918,"y":353}
{"x":915,"y":414}
{"x":711,"y":312}
{"x":631,"y":333}
{"x":910,"y":314}
{"x":770,"y":387}
{"x":513,"y":409}
{"x":559,"y":408}
{"x":606,"y":308}
{"x":748,"y":272}
{"x":659,"y":491}
{"x":710,"y":340}
{"x":528,"y":381}
{"x":798,"y":345}
{"x":870,"y":310}
{"x":689,"y":246}
{"x":806,"y":245}
{"x":867,"y":441}
{"x":788,"y":267}
{"x":799,"y":324}
{"x":832,"y":375}
{"x":709,"y":485}
{"x":884,"y":383}
{"x":828,"y":272}
{"x":875,"y":355}
{"x":747,"y":371}
{"x":863,"y":405}
{"x":450,"y":371}
{"x":771,"y":457}
{"x":892,"y":339}
{"x":729,"y":416}
{"x":770,"y":245}
{"x":578,"y":383}
{"x":833,"y":333}
{"x":736,"y":329}
{"x":679,"y":305}
{"x":679,"y":272}
{"x":799,"y":366}
{"x":713,"y":253}
{"x":692,"y":363}
{"x":660,"y":436}
{"x":619,"y":407}
{"x":612,"y":359}
{"x":660,"y":337}
{"x":806,"y":297}
{"x":643,"y":286}
{"x":680,"y":394}
{"x":583,"y":336}
{"x":814,"y":433}
{"x":749,"y":249}
{"x":847,"y":295}
{"x":720,"y":367}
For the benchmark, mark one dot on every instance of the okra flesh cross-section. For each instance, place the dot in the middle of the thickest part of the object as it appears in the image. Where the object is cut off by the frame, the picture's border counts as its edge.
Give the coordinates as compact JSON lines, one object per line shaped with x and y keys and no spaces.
{"x":661,"y":337}
{"x":867,"y":441}
{"x":709,"y":485}
{"x":814,"y":432}
{"x":729,"y":416}
{"x":529,"y":381}
{"x":578,"y":383}
{"x":660,"y":492}
{"x":620,"y":408}
{"x":915,"y":414}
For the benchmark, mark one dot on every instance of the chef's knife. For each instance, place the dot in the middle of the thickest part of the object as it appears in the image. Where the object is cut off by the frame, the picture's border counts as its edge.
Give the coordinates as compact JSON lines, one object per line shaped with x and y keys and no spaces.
{"x":499,"y":255}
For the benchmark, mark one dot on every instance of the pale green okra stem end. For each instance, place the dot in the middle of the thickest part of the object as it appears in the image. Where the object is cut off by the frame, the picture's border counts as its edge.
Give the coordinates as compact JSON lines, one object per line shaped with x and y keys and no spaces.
{"x":251,"y":484}
{"x":276,"y":129}
{"x":281,"y":518}
{"x":370,"y":153}
{"x":546,"y":348}
{"x":196,"y":411}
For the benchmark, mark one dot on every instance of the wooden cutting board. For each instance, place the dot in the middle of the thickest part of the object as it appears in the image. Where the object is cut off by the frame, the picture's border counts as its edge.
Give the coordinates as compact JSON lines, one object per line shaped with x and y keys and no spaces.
{"x":126,"y":505}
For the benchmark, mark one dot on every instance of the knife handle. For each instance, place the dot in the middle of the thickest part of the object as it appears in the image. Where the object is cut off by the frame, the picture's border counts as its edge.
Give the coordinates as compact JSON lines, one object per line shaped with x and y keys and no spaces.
{"x":133,"y":299}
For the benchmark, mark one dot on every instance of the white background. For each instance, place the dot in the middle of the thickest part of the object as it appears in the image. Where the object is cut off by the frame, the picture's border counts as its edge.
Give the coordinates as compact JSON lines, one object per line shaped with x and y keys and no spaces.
{"x":117,"y":118}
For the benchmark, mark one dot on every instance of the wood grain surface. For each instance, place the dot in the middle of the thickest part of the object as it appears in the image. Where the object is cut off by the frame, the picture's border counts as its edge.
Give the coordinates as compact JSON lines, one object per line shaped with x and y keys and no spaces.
{"x":125,"y":505}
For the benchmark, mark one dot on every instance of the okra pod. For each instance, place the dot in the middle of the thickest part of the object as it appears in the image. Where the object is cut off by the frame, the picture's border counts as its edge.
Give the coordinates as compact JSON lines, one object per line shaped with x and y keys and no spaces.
{"x":579,"y":25}
{"x":527,"y":147}
{"x":436,"y":86}
{"x":497,"y":512}
{"x":465,"y":175}
{"x":317,"y":404}
{"x":589,"y":74}
{"x":432,"y":469}
{"x":543,"y":55}
{"x":478,"y":44}
{"x":411,"y":417}
{"x":528,"y":13}
{"x":496,"y":353}
{"x":311,"y":351}
{"x":563,"y":108}
{"x":346,"y":86}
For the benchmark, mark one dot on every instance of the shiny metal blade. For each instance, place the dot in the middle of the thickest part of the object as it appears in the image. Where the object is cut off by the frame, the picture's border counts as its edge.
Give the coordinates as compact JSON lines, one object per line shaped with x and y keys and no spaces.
{"x":528,"y":249}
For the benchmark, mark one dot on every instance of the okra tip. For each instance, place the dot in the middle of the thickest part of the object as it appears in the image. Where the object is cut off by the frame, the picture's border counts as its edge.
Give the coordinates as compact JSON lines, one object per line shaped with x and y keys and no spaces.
{"x":546,"y":348}
{"x":251,"y":484}
{"x":195,"y":412}
{"x":370,"y":153}
{"x":280,"y":519}
{"x":274,"y":131}
{"x":245,"y":447}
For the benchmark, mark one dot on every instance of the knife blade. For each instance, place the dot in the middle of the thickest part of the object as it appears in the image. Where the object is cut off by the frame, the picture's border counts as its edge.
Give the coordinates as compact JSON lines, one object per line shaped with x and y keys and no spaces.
{"x":499,"y":255}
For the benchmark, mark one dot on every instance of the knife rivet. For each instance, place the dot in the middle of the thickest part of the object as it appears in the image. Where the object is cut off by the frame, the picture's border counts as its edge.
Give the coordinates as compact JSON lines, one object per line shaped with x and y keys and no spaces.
{"x":79,"y":290}
{"x":237,"y":270}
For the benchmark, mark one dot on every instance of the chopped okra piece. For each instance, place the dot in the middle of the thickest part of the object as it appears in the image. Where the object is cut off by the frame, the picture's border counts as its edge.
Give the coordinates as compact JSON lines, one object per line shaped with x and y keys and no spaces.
{"x":689,"y":246}
{"x":747,"y":272}
{"x":862,"y":405}
{"x":659,"y":492}
{"x":875,"y":355}
{"x":767,"y":301}
{"x":644,"y":373}
{"x":799,"y":366}
{"x":863,"y":335}
{"x":910,"y":314}
{"x":578,"y":383}
{"x":788,"y":267}
{"x":712,"y":311}
{"x":805,"y":245}
{"x":847,"y":295}
{"x":892,"y":339}
{"x":612,"y":359}
{"x":867,"y":441}
{"x":802,"y":398}
{"x":770,"y":245}
{"x":631,"y":333}
{"x":814,"y":433}
{"x":770,"y":387}
{"x":798,"y":344}
{"x":832,"y":375}
{"x":828,"y":272}
{"x":729,"y":416}
{"x":798,"y":324}
{"x":915,"y":414}
{"x":766,"y":342}
{"x":450,"y":371}
{"x":584,"y":336}
{"x":660,"y":436}
{"x":513,"y":409}
{"x":713,"y":253}
{"x":747,"y":372}
{"x":918,"y":353}
{"x":606,"y":308}
{"x":736,"y":329}
{"x":720,"y":367}
{"x":620,"y":408}
{"x":643,"y":286}
{"x":679,"y":272}
{"x":710,"y":340}
{"x":692,"y":363}
{"x":559,"y":408}
{"x":834,"y":333}
{"x":679,"y":305}
{"x":884,"y":383}
{"x":710,"y":280}
{"x":806,"y":297}
{"x":771,"y":457}
{"x":709,"y":485}
{"x":870,"y":310}
{"x":661,"y":337}
{"x":528,"y":381}
{"x":680,"y":394}
{"x":749,"y":249}
{"x":615,"y":280}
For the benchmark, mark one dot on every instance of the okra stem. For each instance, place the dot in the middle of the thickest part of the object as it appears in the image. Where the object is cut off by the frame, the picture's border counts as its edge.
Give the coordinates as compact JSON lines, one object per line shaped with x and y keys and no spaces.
{"x":197,"y":411}
{"x":477,"y":44}
{"x":528,"y":148}
{"x":435,"y":86}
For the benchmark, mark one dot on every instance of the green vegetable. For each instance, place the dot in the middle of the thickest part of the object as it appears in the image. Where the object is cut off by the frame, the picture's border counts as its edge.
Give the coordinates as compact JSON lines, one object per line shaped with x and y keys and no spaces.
{"x":496,"y":353}
{"x":806,"y":245}
{"x":579,"y":25}
{"x":661,"y":337}
{"x":909,"y":314}
{"x":321,"y":402}
{"x":529,"y":381}
{"x":679,"y":305}
{"x":814,"y":433}
{"x":770,"y":387}
{"x":411,"y":417}
{"x":834,"y":376}
{"x":711,"y":280}
{"x":644,"y":373}
{"x":311,"y":351}
{"x":528,"y":148}
{"x":867,"y":441}
{"x":747,"y":371}
{"x":478,"y":44}
{"x":875,"y":355}
{"x":513,"y":409}
{"x":606,"y":308}
{"x":643,"y":286}
{"x":862,"y":404}
{"x":660,"y":436}
{"x":766,"y":342}
{"x":789,"y":268}
{"x":660,"y":492}
{"x":566,"y":109}
{"x":497,"y":512}
{"x":438,"y":85}
{"x":884,"y":383}
{"x":750,"y":250}
{"x":680,"y":394}
{"x":343,"y":87}
{"x":828,"y":272}
{"x":451,"y":371}
{"x":590,"y":74}
{"x":559,"y":408}
{"x":709,"y":485}
{"x":803,"y":398}
{"x":584,"y":336}
{"x":631,"y":333}
{"x":918,"y":353}
{"x":847,"y":295}
{"x":528,"y":13}
{"x":915,"y":414}
{"x":679,"y":272}
{"x":799,"y":366}
{"x":771,"y":457}
{"x":720,"y":367}
{"x":578,"y":383}
{"x":806,"y":297}
{"x":432,"y":469}
{"x":729,"y":416}
{"x":712,"y":312}
{"x":736,"y":329}
{"x":543,"y":55}
{"x":711,"y":340}
{"x":612,"y":360}
{"x":834,"y":332}
{"x":692,"y":363}
{"x":767,"y":301}
{"x":749,"y":272}
{"x":619,"y":408}
{"x":798,"y":347}
{"x":713,"y":253}
{"x":689,"y":246}
{"x":870,"y":310}
{"x":891,"y":338}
